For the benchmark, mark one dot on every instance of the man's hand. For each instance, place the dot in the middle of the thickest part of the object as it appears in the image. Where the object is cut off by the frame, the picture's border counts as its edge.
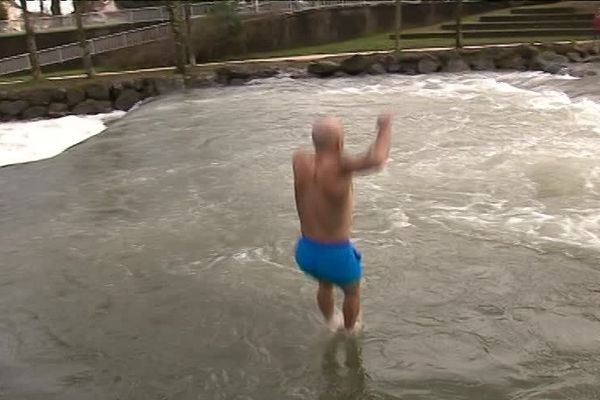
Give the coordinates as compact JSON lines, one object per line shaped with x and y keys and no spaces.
{"x":378,"y":153}
{"x":384,"y":121}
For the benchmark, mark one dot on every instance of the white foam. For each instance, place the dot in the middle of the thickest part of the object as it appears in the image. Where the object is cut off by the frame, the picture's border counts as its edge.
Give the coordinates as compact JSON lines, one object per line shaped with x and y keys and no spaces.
{"x":22,"y":142}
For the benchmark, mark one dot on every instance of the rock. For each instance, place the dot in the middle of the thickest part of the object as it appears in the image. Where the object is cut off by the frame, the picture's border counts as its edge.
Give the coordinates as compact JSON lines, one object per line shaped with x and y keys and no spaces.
{"x":127,"y":99}
{"x":590,"y":73}
{"x":264,"y":73}
{"x":552,"y":57}
{"x":574,"y":56}
{"x":512,"y":62}
{"x":356,"y":64}
{"x":456,"y":65}
{"x":35,"y":112}
{"x":58,"y":109}
{"x":74,"y":96}
{"x":148,"y":89}
{"x":323,"y":68}
{"x":393,"y":68}
{"x":38,"y":97}
{"x":168,"y":85}
{"x":226,"y":74}
{"x":340,"y":74}
{"x":136,"y":84}
{"x":428,"y":65}
{"x":526,"y":51}
{"x":481,"y":63}
{"x":90,"y":106}
{"x":13,"y":108}
{"x":237,"y":82}
{"x":116,"y":89}
{"x":409,"y":62}
{"x":197,"y":82}
{"x":97,"y":91}
{"x":376,"y":69}
{"x":553,"y":68}
{"x":59,"y":94}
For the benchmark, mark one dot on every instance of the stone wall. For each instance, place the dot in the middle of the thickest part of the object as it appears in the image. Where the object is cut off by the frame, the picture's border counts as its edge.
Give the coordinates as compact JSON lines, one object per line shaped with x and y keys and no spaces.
{"x":104,"y":95}
{"x":88,"y":98}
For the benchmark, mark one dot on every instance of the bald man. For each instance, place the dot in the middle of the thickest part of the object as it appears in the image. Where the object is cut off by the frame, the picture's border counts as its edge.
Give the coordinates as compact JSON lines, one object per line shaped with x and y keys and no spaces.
{"x":323,"y":189}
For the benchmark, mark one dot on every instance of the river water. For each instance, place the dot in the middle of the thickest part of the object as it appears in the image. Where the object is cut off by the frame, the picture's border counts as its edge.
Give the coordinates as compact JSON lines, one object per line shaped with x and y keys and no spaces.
{"x":154,"y":261}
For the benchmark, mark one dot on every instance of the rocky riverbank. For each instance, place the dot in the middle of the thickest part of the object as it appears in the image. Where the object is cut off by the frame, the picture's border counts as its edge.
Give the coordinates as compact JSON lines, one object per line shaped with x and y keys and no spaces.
{"x":121,"y":94}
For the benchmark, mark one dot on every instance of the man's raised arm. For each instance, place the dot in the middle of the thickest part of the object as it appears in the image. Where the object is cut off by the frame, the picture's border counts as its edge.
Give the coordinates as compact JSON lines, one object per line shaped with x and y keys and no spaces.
{"x":378,"y":153}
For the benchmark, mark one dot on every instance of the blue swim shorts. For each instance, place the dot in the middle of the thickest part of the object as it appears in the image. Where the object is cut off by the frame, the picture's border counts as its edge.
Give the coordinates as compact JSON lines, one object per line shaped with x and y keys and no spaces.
{"x":337,"y":263}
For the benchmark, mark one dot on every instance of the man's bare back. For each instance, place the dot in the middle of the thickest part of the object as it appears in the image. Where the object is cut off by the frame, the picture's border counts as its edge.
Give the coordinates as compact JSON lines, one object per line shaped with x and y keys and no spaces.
{"x":323,"y":191}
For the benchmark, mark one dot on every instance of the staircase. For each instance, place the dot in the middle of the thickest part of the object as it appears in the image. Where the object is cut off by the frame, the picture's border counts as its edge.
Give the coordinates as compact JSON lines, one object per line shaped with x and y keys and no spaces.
{"x":551,"y":22}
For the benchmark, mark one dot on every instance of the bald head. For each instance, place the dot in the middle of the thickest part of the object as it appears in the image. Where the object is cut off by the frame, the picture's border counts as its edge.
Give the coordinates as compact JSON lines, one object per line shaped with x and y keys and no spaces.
{"x":327,"y":134}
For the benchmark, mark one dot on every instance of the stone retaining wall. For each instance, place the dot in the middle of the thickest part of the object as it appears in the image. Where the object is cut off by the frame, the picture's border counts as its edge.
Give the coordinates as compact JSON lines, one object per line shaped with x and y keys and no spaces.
{"x":104,"y":96}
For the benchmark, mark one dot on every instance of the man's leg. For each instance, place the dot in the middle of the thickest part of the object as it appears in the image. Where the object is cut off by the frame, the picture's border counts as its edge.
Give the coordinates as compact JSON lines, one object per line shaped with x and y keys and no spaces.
{"x":326,"y":300}
{"x":351,"y":305}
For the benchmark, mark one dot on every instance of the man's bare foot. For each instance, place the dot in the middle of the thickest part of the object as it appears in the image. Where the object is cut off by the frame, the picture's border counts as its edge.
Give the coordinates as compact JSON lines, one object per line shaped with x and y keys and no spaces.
{"x":336,"y":322}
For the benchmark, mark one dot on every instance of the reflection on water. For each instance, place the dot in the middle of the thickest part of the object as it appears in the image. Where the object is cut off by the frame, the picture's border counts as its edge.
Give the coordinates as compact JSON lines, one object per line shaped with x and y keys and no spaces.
{"x":348,"y":380}
{"x":154,"y":261}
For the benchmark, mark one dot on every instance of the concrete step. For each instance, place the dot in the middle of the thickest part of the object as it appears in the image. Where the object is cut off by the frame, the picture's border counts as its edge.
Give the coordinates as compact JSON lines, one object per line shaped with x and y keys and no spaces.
{"x":492,"y":26}
{"x":535,"y":18}
{"x":547,"y":10}
{"x":579,"y":33}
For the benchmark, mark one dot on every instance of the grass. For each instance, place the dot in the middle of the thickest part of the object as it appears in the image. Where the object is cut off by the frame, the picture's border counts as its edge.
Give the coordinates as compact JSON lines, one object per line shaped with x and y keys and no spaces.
{"x":382,"y":42}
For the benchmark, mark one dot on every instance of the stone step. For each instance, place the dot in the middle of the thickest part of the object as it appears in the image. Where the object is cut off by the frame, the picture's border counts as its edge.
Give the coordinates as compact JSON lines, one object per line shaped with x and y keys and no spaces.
{"x":579,"y":33}
{"x":492,"y":26}
{"x":537,"y":18}
{"x":547,"y":10}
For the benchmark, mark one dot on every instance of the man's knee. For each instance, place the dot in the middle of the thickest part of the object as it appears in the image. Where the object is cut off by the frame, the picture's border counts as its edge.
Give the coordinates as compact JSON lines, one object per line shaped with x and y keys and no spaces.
{"x":352,"y":289}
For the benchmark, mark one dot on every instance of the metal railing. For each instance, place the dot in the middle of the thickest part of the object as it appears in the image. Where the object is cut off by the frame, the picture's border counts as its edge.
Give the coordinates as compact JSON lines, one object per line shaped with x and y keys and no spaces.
{"x":72,"y":51}
{"x":103,"y":44}
{"x":159,"y":14}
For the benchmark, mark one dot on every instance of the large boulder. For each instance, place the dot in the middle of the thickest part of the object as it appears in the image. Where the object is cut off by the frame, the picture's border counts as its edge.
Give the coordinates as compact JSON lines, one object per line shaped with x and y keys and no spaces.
{"x":512,"y":62}
{"x":323,"y":68}
{"x":552,"y":57}
{"x":409,"y":62}
{"x":226,"y":74}
{"x":34,"y":112}
{"x":197,"y":81}
{"x":127,"y":99}
{"x":74,"y":96}
{"x":527,"y":51}
{"x":356,"y":64}
{"x":38,"y":97}
{"x":541,"y":64}
{"x":574,"y":56}
{"x":456,"y":65}
{"x":98,"y":91}
{"x":428,"y":65}
{"x":13,"y":108}
{"x":58,"y":109}
{"x":168,"y":85}
{"x":135,"y":84}
{"x":90,"y":106}
{"x":376,"y":69}
{"x":481,"y":62}
{"x":263,"y":73}
{"x":116,"y":89}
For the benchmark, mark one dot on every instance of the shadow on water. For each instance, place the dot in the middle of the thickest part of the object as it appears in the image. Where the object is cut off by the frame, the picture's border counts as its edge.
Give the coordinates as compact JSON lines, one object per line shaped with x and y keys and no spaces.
{"x":348,"y":382}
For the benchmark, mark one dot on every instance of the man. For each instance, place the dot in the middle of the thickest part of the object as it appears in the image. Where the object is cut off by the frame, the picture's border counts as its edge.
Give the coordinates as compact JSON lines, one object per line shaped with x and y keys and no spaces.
{"x":323,"y":189}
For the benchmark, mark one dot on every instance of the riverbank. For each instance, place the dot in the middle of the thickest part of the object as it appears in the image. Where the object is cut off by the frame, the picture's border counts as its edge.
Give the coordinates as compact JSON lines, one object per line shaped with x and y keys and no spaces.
{"x":108,"y":92}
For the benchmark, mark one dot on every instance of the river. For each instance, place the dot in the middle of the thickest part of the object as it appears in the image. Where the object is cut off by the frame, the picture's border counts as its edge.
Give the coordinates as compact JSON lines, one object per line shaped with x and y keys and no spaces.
{"x":154,"y":260}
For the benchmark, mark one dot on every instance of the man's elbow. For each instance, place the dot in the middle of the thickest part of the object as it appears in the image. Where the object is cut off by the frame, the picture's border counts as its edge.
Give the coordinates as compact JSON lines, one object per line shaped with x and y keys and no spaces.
{"x":378,"y":160}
